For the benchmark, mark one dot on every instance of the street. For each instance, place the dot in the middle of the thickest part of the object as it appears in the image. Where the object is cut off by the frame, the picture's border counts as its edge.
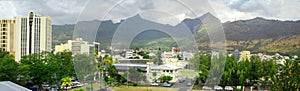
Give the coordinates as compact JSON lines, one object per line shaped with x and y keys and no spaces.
{"x":183,"y":86}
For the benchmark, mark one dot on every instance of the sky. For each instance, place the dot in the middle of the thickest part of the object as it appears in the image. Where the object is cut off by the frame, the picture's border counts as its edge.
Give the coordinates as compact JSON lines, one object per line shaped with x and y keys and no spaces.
{"x":72,"y":11}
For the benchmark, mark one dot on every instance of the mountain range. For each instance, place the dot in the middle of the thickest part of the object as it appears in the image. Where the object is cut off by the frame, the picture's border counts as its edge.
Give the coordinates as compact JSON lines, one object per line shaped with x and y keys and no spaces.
{"x":257,"y":35}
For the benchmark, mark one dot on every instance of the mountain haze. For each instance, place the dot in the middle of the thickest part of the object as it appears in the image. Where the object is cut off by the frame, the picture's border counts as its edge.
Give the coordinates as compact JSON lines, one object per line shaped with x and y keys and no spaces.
{"x":258,"y":34}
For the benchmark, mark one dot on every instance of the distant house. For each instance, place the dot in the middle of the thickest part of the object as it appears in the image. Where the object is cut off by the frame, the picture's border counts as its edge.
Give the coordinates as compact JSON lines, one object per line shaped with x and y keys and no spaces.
{"x":245,"y":55}
{"x":175,"y":62}
{"x":129,"y":54}
{"x":156,"y":71}
{"x":10,"y":86}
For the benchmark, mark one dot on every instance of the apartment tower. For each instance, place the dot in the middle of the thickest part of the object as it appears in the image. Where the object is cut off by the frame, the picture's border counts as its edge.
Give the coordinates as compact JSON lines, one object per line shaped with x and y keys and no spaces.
{"x":33,"y":34}
{"x":7,"y":35}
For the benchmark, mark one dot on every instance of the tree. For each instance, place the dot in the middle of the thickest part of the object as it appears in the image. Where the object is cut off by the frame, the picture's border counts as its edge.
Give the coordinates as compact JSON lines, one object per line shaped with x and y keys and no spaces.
{"x":288,"y":78}
{"x":64,"y":63}
{"x":144,"y":54}
{"x":201,"y":62}
{"x":113,"y":78}
{"x":229,"y":74}
{"x":85,"y":67}
{"x":66,"y":81}
{"x":8,"y":67}
{"x":40,"y":66}
{"x":107,"y":60}
{"x":166,"y":78}
{"x":157,"y":58}
{"x":134,"y":75}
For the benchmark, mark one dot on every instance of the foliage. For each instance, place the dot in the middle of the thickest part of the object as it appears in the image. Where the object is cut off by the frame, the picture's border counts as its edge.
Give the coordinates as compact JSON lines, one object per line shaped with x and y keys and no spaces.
{"x":179,"y":57}
{"x":288,"y":79}
{"x":66,"y":81}
{"x":157,"y":58}
{"x":251,"y":72}
{"x":46,"y":67}
{"x":107,"y":60}
{"x":201,"y":62}
{"x":165,"y":78}
{"x":133,"y":75}
{"x":85,"y":66}
{"x":144,"y":54}
{"x":8,"y":67}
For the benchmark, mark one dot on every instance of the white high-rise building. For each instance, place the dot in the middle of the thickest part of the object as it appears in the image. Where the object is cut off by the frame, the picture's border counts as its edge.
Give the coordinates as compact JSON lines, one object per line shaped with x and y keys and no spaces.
{"x":33,"y":34}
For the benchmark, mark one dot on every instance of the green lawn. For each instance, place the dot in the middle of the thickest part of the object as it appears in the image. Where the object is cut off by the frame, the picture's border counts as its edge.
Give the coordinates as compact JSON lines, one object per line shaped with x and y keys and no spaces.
{"x":131,"y":88}
{"x":189,"y":73}
{"x":96,"y":86}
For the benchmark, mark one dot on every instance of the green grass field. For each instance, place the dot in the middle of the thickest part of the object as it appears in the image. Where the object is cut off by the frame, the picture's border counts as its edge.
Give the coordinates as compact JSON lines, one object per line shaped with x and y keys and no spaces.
{"x":189,"y":73}
{"x":96,"y":86}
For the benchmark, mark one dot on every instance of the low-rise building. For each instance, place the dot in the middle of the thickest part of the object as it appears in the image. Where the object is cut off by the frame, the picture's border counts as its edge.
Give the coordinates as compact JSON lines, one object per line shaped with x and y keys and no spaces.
{"x":245,"y":55}
{"x":78,"y":46}
{"x":156,"y":71}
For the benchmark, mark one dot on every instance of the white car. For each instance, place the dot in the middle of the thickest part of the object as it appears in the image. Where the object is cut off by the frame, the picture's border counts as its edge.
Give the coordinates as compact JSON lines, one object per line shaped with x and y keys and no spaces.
{"x":76,"y":84}
{"x":206,"y":88}
{"x":228,"y":88}
{"x":189,"y":84}
{"x":69,"y":87}
{"x":218,"y":88}
{"x":46,"y":86}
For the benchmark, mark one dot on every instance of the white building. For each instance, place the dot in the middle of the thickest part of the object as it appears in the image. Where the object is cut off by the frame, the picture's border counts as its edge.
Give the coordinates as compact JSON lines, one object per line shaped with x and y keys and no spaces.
{"x":156,"y":71}
{"x":129,"y":54}
{"x":78,"y":46}
{"x":33,"y":34}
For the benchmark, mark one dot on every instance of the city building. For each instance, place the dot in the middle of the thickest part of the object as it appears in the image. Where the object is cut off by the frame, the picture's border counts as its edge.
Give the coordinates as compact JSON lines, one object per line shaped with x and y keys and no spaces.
{"x":236,"y":54}
{"x":156,"y":71}
{"x":33,"y":34}
{"x":7,"y":35}
{"x":245,"y":55}
{"x":129,"y":54}
{"x":78,"y":46}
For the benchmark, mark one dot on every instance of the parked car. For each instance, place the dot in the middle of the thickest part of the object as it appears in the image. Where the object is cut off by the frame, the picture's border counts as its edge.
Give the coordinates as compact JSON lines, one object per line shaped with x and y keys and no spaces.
{"x":206,"y":88}
{"x":69,"y":87}
{"x":166,"y":84}
{"x":46,"y":86}
{"x":154,"y":84}
{"x":181,"y":80}
{"x":218,"y":88}
{"x":189,"y":84}
{"x":76,"y":84}
{"x":228,"y":88}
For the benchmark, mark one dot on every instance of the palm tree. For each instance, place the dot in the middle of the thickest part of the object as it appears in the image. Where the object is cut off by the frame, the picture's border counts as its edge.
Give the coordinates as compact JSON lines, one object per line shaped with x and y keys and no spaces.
{"x":66,"y":82}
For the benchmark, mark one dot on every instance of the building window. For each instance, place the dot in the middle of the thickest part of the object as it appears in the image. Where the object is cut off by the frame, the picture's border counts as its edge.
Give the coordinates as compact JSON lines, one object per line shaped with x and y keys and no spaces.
{"x":3,"y":45}
{"x":3,"y":41}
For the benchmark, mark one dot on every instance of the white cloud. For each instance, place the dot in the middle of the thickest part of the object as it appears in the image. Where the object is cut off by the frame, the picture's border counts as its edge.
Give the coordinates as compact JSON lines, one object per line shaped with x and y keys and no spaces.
{"x":7,"y":10}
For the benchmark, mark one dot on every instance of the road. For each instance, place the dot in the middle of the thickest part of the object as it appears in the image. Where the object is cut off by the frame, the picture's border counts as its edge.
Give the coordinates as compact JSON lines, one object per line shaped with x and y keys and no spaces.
{"x":183,"y":86}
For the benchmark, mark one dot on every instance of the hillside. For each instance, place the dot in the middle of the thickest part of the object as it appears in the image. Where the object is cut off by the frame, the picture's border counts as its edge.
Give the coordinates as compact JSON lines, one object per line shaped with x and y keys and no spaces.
{"x":258,"y":34}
